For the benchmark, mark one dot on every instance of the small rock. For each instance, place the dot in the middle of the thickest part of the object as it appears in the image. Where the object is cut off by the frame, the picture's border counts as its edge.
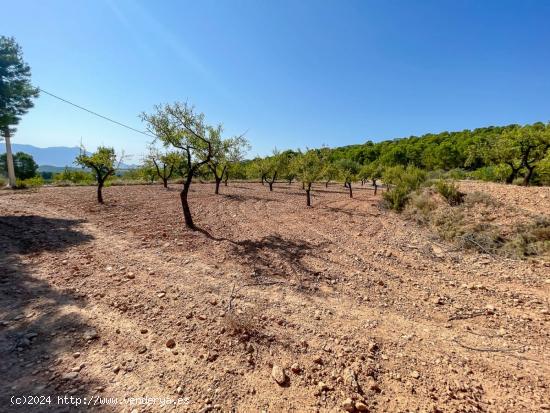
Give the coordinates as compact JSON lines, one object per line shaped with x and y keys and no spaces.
{"x":362,"y":407}
{"x":212,"y":357}
{"x":171,"y":343}
{"x":439,"y":300}
{"x":142,"y":349}
{"x":76,"y":355}
{"x":490,"y":309}
{"x":323,"y":386}
{"x":415,"y":374}
{"x":70,"y":376}
{"x":116,"y":369}
{"x":90,"y":335}
{"x":278,"y":374}
{"x":130,"y":276}
{"x":295,"y":368}
{"x":143,"y":331}
{"x":348,"y":405}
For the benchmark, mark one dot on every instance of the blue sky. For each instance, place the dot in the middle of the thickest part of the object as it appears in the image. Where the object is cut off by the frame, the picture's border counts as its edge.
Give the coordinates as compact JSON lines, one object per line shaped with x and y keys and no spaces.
{"x":292,"y":73}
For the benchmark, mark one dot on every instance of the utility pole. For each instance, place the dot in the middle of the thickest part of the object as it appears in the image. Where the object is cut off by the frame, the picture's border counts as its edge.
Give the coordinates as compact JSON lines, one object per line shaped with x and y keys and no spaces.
{"x":9,"y":159}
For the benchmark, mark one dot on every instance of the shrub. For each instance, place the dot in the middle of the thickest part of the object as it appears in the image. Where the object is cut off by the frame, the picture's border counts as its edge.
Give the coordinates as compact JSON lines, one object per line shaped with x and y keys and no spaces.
{"x":483,"y":238}
{"x":404,"y":181}
{"x":33,"y":182}
{"x":530,"y":239}
{"x":449,"y":223}
{"x":493,"y":173}
{"x":457,"y":173}
{"x":73,"y":176}
{"x":421,"y":205}
{"x":449,"y":191}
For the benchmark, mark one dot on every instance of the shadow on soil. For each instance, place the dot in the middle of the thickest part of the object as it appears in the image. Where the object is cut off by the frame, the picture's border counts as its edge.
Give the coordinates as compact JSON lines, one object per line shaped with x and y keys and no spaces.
{"x":34,"y":331}
{"x":274,"y":257}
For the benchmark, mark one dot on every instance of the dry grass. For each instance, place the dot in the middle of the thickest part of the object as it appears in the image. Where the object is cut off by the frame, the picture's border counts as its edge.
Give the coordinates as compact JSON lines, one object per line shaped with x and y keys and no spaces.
{"x":472,"y":224}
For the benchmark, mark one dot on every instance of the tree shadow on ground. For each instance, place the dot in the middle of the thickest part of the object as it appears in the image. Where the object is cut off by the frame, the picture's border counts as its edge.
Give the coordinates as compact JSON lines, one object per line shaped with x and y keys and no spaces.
{"x":276,"y":258}
{"x":242,"y":198}
{"x":36,"y":331}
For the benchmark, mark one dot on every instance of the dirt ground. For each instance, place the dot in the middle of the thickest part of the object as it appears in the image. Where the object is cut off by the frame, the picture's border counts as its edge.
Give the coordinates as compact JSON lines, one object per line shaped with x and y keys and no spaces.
{"x":349,"y":306}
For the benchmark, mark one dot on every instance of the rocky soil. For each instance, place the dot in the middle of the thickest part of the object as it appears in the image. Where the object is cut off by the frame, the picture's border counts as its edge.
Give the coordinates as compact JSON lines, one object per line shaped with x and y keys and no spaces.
{"x":271,"y":307}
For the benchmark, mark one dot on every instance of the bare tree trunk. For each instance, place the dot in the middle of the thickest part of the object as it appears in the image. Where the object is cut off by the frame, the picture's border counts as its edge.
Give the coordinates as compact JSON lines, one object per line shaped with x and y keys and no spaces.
{"x":513,"y":175}
{"x":185,"y":205}
{"x":308,"y":196}
{"x":99,"y":191}
{"x":270,"y":186}
{"x":326,"y":183}
{"x":528,"y":175}
{"x":12,"y":182}
{"x":218,"y":182}
{"x":165,"y":182}
{"x":350,"y":191}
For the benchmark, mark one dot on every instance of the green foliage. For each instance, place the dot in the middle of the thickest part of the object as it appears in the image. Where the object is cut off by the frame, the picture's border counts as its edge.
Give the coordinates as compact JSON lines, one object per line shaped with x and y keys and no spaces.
{"x":34,"y":182}
{"x":492,"y":173}
{"x":46,"y":175}
{"x":503,"y":153}
{"x":71,"y":176}
{"x":23,"y":163}
{"x":371,"y":171}
{"x":449,"y":190}
{"x":348,"y":170}
{"x":102,"y":162}
{"x":16,"y":90}
{"x":161,"y":164}
{"x":403,"y":182}
{"x":225,"y":153}
{"x":309,"y":167}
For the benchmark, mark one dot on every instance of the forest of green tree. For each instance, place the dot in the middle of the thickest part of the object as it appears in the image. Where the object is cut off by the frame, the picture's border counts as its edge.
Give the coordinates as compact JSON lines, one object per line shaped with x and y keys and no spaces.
{"x":512,"y":154}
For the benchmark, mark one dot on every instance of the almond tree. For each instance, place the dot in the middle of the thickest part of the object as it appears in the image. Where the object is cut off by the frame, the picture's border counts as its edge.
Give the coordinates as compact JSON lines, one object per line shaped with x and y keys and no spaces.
{"x":164,"y":163}
{"x":330,"y":172}
{"x":309,"y":168}
{"x":371,"y":171}
{"x":348,"y":173}
{"x":274,"y":165}
{"x":224,"y":153}
{"x":102,"y":163}
{"x":179,"y":126}
{"x":260,"y":168}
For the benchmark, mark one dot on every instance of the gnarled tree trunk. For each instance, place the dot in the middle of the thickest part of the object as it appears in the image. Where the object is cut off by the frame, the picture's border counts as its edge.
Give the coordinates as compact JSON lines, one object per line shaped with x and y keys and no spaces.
{"x":184,"y":203}
{"x":100,"y":184}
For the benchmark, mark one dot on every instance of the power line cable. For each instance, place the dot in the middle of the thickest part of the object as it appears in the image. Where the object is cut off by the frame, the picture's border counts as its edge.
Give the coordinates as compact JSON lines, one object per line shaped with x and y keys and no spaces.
{"x":96,"y":114}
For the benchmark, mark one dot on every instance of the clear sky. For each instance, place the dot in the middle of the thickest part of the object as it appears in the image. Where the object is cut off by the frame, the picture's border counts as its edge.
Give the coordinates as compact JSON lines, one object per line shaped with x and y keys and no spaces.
{"x":293,"y":73}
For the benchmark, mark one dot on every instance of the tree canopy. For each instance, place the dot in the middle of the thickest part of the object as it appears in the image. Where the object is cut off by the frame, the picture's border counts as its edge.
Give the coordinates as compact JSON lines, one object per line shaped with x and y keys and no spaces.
{"x":16,"y":90}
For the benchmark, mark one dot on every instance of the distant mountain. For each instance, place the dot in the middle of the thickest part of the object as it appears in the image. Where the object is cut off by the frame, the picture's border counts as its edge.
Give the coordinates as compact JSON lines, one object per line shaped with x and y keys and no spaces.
{"x":51,"y":159}
{"x":54,"y":156}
